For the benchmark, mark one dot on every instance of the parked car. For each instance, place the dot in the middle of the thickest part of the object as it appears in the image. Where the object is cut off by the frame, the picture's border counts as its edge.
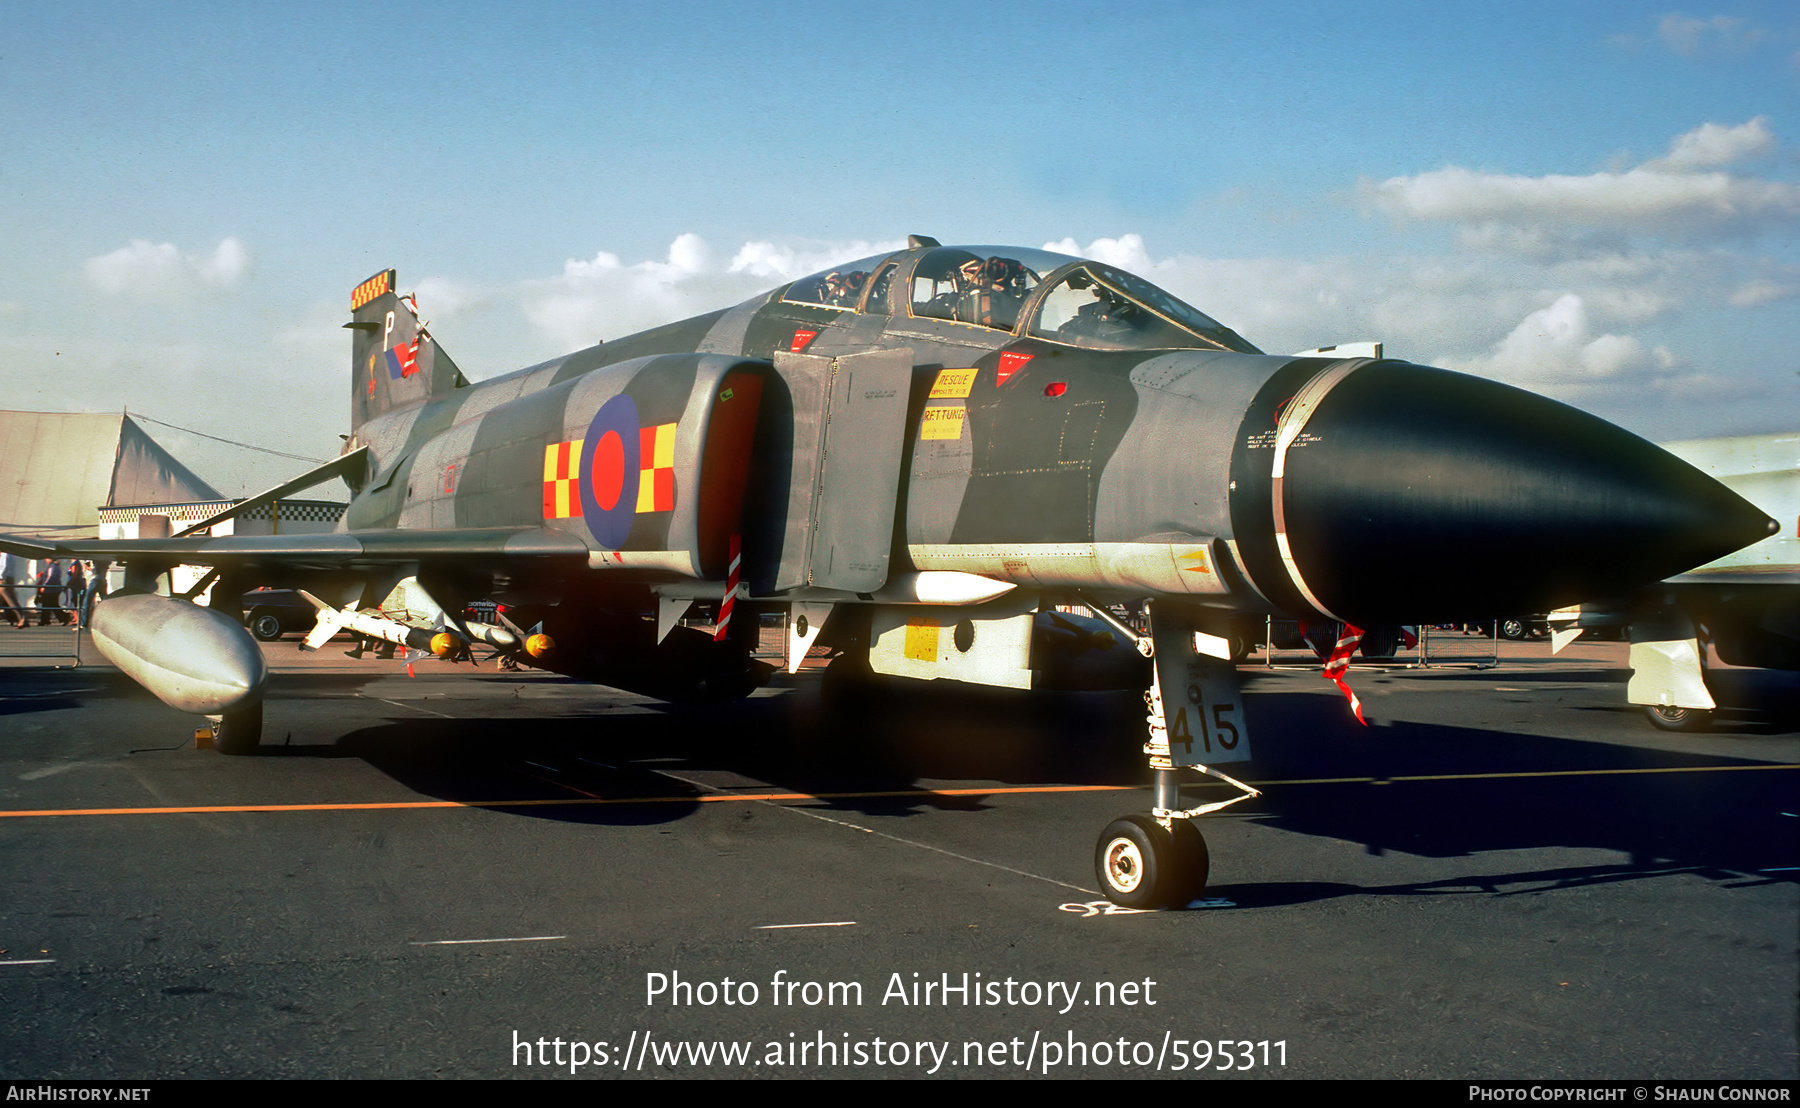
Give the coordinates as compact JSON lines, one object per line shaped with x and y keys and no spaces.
{"x":272,"y":613}
{"x":1520,"y":628}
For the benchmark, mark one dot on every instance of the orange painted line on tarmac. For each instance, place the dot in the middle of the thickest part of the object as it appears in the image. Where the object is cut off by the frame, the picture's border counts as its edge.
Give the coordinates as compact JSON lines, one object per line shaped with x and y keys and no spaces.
{"x":713,"y":798}
{"x":215,"y":809}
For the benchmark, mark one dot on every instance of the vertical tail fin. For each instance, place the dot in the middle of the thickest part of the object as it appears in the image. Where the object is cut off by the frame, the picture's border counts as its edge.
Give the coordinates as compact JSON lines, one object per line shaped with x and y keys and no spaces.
{"x":394,"y":361}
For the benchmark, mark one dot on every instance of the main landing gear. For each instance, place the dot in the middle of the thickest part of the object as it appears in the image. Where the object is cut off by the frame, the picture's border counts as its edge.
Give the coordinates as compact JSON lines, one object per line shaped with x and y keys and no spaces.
{"x":1159,"y":859}
{"x":1668,"y":668}
{"x":1667,"y":717}
{"x":238,"y":732}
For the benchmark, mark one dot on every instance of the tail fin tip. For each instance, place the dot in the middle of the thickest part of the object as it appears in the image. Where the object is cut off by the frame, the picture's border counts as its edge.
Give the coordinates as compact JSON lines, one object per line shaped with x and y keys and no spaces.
{"x":394,"y":361}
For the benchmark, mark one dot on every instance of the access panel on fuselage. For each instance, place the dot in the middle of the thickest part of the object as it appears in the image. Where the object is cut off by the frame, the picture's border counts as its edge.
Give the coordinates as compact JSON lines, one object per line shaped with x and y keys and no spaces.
{"x":849,"y":438}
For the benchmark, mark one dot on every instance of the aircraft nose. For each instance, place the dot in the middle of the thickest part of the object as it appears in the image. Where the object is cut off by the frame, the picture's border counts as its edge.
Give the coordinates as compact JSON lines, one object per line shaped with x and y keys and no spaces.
{"x":1436,"y":495}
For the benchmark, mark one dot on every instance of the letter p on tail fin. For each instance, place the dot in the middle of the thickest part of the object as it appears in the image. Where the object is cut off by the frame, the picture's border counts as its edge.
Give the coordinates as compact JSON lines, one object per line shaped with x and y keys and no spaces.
{"x":394,"y":361}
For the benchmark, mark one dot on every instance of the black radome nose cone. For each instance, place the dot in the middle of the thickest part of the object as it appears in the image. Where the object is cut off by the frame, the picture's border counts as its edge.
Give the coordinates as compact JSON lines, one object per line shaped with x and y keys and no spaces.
{"x":1423,"y":494}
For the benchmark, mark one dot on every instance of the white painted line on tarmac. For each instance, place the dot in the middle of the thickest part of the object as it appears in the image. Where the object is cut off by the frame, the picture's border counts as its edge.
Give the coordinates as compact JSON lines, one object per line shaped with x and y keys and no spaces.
{"x":405,"y":704}
{"x":28,"y":962}
{"x":466,"y":942}
{"x":788,"y":926}
{"x":871,"y":831}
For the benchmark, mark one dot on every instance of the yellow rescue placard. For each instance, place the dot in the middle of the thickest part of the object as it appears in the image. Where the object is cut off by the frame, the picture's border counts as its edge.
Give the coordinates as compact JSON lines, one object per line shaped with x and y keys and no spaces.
{"x":953,"y":384}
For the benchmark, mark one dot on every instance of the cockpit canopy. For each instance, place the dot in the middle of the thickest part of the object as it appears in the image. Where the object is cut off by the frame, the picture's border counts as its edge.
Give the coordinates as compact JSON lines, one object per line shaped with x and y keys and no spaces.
{"x":1030,"y":293}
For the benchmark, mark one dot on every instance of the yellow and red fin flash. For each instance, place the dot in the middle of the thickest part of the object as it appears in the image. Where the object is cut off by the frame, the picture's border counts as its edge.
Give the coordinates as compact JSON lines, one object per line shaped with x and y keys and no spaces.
{"x":562,"y":480}
{"x":1340,"y":661}
{"x":656,"y":468}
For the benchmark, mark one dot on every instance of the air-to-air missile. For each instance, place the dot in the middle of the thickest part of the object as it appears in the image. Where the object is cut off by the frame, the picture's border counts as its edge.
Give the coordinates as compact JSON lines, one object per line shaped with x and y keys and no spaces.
{"x":1039,"y":428}
{"x":443,"y":637}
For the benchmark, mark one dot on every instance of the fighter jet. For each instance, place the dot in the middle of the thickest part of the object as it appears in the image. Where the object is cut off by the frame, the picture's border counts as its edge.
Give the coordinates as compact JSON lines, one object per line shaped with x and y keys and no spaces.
{"x":1746,"y":605}
{"x":918,"y":455}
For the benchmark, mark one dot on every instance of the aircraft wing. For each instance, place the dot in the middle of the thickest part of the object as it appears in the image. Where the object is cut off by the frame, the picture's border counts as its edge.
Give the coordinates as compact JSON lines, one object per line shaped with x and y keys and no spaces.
{"x":492,"y":549}
{"x":1730,"y":576}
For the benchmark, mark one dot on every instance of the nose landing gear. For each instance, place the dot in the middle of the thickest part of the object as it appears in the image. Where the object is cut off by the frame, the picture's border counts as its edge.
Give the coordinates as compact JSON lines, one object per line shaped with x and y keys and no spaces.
{"x":1159,"y":858}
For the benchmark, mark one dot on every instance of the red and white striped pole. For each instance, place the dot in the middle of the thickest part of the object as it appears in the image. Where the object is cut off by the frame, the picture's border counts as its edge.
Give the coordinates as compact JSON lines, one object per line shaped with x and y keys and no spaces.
{"x":731,"y":589}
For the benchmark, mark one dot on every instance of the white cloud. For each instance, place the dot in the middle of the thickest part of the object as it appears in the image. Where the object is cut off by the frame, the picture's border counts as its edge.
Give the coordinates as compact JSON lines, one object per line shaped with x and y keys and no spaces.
{"x":441,"y":298}
{"x":1711,"y":145}
{"x":1758,"y":291}
{"x":1684,"y":195}
{"x":159,"y":271}
{"x":1689,"y":36}
{"x":775,"y":263}
{"x":602,"y":297}
{"x":316,"y":343}
{"x":1555,"y":350}
{"x":1127,"y":252}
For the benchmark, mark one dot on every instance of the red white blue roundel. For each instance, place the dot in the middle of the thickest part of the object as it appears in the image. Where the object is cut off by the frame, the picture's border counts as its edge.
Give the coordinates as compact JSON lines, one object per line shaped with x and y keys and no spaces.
{"x":609,"y":472}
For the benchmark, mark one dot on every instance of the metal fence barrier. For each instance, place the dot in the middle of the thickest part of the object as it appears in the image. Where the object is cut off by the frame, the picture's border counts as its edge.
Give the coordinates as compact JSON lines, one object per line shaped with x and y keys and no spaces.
{"x":1282,"y":647}
{"x":41,"y":634}
{"x":1441,"y":647}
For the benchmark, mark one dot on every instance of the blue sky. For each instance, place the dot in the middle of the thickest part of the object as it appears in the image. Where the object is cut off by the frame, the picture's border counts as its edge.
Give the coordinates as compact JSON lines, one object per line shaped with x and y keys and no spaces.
{"x":1594,"y":200}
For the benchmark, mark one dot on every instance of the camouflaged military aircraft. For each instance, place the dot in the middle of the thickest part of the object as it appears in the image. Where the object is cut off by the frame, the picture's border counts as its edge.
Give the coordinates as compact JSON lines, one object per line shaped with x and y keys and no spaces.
{"x":917,"y":456}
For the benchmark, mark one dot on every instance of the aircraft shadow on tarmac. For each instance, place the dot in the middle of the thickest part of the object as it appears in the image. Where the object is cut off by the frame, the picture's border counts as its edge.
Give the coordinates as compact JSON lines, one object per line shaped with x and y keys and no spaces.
{"x":590,"y":754}
{"x":50,"y":702}
{"x":1491,"y":790}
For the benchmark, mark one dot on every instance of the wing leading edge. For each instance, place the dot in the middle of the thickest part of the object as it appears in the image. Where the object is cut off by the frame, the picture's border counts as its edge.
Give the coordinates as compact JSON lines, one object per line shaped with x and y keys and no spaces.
{"x":491,"y":548}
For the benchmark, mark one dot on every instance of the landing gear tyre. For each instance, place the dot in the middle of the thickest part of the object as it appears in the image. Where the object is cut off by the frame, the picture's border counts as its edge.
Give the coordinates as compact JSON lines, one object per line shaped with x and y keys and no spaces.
{"x":239,"y":732}
{"x":1186,"y":879}
{"x":1242,"y":646}
{"x":1128,"y":861}
{"x":1139,"y":865}
{"x":1515,"y":629}
{"x":266,"y":626}
{"x":1668,"y":718}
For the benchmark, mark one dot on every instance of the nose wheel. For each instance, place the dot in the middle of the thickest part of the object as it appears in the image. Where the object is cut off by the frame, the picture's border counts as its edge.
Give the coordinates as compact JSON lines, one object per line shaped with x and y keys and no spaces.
{"x":1141,"y":864}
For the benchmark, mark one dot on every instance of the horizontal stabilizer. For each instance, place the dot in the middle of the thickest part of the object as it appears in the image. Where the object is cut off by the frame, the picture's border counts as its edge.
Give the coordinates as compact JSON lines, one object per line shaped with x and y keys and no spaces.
{"x":337,"y":467}
{"x":27,"y":548}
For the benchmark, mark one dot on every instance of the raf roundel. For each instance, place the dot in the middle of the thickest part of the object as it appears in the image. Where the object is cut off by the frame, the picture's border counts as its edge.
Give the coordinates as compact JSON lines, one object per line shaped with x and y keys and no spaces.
{"x":609,"y":472}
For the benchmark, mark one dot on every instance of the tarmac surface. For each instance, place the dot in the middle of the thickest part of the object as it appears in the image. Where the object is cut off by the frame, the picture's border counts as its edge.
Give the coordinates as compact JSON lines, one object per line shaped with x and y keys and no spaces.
{"x":472,"y":873}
